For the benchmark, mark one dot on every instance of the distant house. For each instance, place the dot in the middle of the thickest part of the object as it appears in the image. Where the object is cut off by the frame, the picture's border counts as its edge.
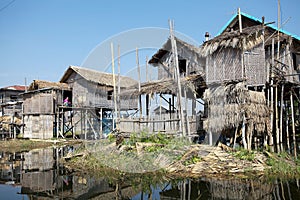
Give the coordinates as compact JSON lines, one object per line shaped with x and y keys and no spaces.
{"x":10,"y":99}
{"x":10,"y":110}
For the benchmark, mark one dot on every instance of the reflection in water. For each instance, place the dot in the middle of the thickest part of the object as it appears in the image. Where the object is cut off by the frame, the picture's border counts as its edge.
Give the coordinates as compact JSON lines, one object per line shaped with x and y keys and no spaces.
{"x":37,"y":174}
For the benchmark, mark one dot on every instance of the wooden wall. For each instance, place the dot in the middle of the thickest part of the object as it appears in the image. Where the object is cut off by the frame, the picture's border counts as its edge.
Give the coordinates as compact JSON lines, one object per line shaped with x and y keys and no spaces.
{"x":39,"y":103}
{"x":38,"y":126}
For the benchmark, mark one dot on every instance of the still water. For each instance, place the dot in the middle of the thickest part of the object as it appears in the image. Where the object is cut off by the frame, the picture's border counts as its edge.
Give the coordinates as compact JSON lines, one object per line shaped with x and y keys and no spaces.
{"x":38,"y":174}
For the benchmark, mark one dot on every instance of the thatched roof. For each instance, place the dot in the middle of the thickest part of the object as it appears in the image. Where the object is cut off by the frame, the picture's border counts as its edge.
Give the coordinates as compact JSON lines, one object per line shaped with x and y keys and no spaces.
{"x":167,"y":86}
{"x":270,"y":30}
{"x":41,"y":84}
{"x":229,"y":103}
{"x":185,"y":50}
{"x":249,"y":38}
{"x":98,"y":77}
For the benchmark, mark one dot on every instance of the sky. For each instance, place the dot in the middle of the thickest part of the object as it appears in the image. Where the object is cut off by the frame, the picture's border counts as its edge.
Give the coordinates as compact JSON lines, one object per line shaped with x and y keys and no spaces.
{"x":40,"y":39}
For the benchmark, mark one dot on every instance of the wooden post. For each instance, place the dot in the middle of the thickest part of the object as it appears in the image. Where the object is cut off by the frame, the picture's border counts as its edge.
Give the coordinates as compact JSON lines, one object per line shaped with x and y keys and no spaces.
{"x":281,"y":116}
{"x":175,"y":56}
{"x":114,"y":84}
{"x":244,"y":133}
{"x":271,"y":142}
{"x":293,"y":125}
{"x":119,"y":85}
{"x":240,"y":20}
{"x":187,"y":118}
{"x":85,"y":124}
{"x":276,"y":119}
{"x":287,"y":129}
{"x":101,"y":123}
{"x":139,"y":79}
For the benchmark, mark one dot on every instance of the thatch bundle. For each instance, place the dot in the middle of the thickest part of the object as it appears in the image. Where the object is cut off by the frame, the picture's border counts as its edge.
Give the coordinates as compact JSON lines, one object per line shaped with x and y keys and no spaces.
{"x":230,"y":103}
{"x":167,"y":86}
{"x":249,"y":38}
{"x":41,"y":84}
{"x":6,"y":121}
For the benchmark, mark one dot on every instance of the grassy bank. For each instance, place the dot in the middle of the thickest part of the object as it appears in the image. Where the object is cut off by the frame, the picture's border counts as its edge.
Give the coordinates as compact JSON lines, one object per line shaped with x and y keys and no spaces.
{"x":178,"y":157}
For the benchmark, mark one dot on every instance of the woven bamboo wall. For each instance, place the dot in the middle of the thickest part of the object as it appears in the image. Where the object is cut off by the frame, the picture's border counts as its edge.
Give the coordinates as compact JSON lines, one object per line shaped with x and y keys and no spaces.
{"x":255,"y":70}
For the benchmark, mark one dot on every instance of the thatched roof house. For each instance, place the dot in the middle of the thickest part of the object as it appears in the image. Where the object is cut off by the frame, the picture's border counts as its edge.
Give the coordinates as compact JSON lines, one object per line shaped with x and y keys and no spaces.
{"x":100,"y":78}
{"x":91,"y":88}
{"x":190,"y":61}
{"x":247,"y":53}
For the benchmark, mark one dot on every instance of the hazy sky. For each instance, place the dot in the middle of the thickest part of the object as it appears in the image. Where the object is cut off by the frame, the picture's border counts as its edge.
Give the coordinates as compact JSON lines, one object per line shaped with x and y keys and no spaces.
{"x":39,"y":39}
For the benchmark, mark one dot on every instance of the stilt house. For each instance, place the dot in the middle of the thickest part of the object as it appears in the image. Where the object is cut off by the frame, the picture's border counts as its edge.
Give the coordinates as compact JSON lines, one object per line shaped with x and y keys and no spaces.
{"x":88,"y":112}
{"x":247,"y":66}
{"x":41,"y":103}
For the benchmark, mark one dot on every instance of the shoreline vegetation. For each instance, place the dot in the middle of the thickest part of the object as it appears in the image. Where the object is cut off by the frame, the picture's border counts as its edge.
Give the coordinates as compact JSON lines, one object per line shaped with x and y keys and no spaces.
{"x":160,"y":154}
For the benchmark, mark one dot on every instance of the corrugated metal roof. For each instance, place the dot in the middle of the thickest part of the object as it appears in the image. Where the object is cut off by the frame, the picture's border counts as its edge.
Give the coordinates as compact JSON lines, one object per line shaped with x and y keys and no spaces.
{"x":16,"y":87}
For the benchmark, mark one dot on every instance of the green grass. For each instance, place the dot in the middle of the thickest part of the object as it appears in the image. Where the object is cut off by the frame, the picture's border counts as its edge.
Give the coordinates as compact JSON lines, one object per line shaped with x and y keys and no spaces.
{"x":244,"y":154}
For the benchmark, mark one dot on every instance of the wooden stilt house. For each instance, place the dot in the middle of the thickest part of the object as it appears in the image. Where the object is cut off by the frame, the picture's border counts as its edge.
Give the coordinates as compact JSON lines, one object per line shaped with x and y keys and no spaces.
{"x":93,"y":105}
{"x":40,"y":106}
{"x":251,"y":73}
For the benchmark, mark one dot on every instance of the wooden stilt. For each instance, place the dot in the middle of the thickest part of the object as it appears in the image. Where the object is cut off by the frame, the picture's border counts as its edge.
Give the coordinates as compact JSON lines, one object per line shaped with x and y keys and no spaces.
{"x":287,"y":130}
{"x":281,"y":117}
{"x":293,"y":125}
{"x":277,"y":118}
{"x":179,"y":96}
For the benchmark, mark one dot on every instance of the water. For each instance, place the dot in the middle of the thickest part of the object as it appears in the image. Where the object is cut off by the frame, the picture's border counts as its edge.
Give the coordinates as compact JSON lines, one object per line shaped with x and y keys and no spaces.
{"x":38,"y":175}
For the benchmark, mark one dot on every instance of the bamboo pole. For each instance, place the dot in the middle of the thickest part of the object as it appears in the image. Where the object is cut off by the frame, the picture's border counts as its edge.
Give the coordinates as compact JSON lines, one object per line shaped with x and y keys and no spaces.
{"x":281,"y":116}
{"x":119,"y":84}
{"x":139,"y":79}
{"x":240,"y":20}
{"x":293,"y":125}
{"x":287,"y":130}
{"x":179,"y":100}
{"x":271,"y":142}
{"x":277,"y":118}
{"x":114,"y":84}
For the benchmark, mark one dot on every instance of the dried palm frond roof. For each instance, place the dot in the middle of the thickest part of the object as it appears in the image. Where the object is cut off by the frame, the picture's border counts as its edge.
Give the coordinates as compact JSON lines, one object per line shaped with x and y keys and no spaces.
{"x":167,"y":86}
{"x":98,"y":77}
{"x":249,"y":38}
{"x":41,"y":84}
{"x":229,"y":103}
